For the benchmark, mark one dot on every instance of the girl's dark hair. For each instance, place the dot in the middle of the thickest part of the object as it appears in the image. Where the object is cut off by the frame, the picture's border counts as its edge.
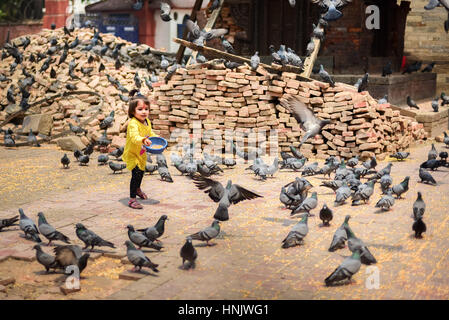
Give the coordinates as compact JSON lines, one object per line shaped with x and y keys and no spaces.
{"x":133,"y":104}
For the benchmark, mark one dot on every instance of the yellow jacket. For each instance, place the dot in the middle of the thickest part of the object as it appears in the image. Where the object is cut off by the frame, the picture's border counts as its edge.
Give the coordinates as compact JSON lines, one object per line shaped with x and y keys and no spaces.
{"x":135,"y":133}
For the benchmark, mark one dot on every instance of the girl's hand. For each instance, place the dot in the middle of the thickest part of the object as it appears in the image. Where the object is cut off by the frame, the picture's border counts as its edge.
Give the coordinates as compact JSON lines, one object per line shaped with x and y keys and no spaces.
{"x":147,"y":142}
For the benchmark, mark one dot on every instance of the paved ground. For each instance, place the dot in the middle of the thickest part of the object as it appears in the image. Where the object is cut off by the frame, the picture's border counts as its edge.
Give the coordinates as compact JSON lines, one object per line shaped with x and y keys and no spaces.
{"x":247,"y":261}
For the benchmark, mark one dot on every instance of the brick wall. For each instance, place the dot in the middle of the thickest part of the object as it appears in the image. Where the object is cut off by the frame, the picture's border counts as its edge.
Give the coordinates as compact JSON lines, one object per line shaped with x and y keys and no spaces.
{"x":55,"y":12}
{"x":425,"y":39}
{"x":17,"y":30}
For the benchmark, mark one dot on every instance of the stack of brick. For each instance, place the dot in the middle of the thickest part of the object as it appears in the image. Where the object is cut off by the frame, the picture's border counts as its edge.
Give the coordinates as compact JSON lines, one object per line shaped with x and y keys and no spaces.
{"x":245,"y":100}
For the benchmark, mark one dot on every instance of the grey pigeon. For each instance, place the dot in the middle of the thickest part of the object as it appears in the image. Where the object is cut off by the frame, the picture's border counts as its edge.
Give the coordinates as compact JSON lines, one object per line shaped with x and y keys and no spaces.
{"x":432,"y":164}
{"x":363,"y":193}
{"x":383,"y":100}
{"x":401,"y":188}
{"x":76,"y":129}
{"x":165,"y":12}
{"x":49,"y":232}
{"x":199,"y":36}
{"x":293,"y":163}
{"x":333,"y":184}
{"x":69,"y":255}
{"x":362,"y":83}
{"x":4,"y":223}
{"x":141,"y":240}
{"x":161,"y":161}
{"x":164,"y":174}
{"x":426,"y":177}
{"x":435,"y":104}
{"x":340,"y":236}
{"x":156,"y":231}
{"x":330,"y":7}
{"x":383,"y":172}
{"x":353,"y":162}
{"x":48,"y":261}
{"x":208,"y":233}
{"x":419,"y":206}
{"x":446,"y":139}
{"x":150,"y":167}
{"x":325,"y":76}
{"x":232,"y":194}
{"x":326,"y":215}
{"x":350,"y":266}
{"x":305,"y":117}
{"x":310,"y":169}
{"x":188,"y":252}
{"x":27,"y":225}
{"x":386,"y":202}
{"x":65,"y":161}
{"x":290,"y":200}
{"x":370,"y":163}
{"x":356,"y":244}
{"x":310,"y":48}
{"x":296,"y":235}
{"x":103,"y":159}
{"x":116,"y":166}
{"x":342,"y":193}
{"x":90,"y":238}
{"x":433,"y":153}
{"x":227,"y":45}
{"x":401,"y":155}
{"x":137,"y":257}
{"x":444,"y":99}
{"x":255,"y":60}
{"x":83,"y":160}
{"x":108,"y":121}
{"x":385,"y":182}
{"x":307,"y":205}
{"x":318,"y":32}
{"x":229,"y":162}
{"x":411,"y":103}
{"x":164,"y":62}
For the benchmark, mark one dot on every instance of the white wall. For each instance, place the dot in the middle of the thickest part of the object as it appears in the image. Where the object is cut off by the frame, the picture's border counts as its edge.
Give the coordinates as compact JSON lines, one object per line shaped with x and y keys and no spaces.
{"x":166,"y":31}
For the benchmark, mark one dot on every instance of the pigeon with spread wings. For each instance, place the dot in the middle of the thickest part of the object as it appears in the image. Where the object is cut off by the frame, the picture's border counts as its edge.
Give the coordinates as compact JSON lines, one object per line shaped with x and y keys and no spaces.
{"x":199,"y":36}
{"x":331,"y":8}
{"x":232,"y":194}
{"x":305,"y":117}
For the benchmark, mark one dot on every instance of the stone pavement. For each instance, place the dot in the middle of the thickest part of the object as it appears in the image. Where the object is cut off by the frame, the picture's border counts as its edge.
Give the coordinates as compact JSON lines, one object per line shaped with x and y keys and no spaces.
{"x":247,"y":261}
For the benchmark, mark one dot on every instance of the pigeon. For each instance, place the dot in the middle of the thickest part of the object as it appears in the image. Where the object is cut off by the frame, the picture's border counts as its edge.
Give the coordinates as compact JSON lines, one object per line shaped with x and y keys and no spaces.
{"x":83,"y":160}
{"x":10,"y":94}
{"x":229,"y":162}
{"x":188,"y":252}
{"x":255,"y":60}
{"x":101,"y":67}
{"x":401,"y":188}
{"x":444,"y":155}
{"x":164,"y":174}
{"x":138,"y":258}
{"x":103,"y":140}
{"x":164,"y":62}
{"x":327,"y":169}
{"x":214,"y":5}
{"x":326,"y":77}
{"x":208,"y":233}
{"x":150,"y":167}
{"x":116,"y":166}
{"x":199,"y":36}
{"x":383,"y":172}
{"x":307,"y":205}
{"x":435,"y":104}
{"x":446,"y":139}
{"x":232,"y":194}
{"x":340,"y":236}
{"x":310,"y":169}
{"x":433,"y":153}
{"x":102,"y":159}
{"x":118,"y":64}
{"x":412,"y":67}
{"x":69,"y":255}
{"x":432,"y":164}
{"x":383,"y":100}
{"x":353,"y":162}
{"x":165,"y":12}
{"x":444,"y":99}
{"x":386,"y":70}
{"x":363,"y":193}
{"x":155,"y":232}
{"x":411,"y":103}
{"x":77,"y":154}
{"x":419,"y":206}
{"x":49,"y":231}
{"x":141,"y":240}
{"x":370,"y":164}
{"x":326,"y":215}
{"x":385,"y":183}
{"x":362,"y":83}
{"x":350,"y":266}
{"x":296,"y":235}
{"x":108,"y":121}
{"x":48,"y":261}
{"x":429,"y":67}
{"x":400,"y":155}
{"x":386,"y":202}
{"x":117,"y":153}
{"x":310,"y":48}
{"x":419,"y":227}
{"x":27,"y":225}
{"x":275,"y":55}
{"x":290,"y":200}
{"x":426,"y":177}
{"x":74,"y":43}
{"x":87,"y":71}
{"x":342,"y":193}
{"x":4,"y":223}
{"x":227,"y":45}
{"x":305,"y":117}
{"x":90,"y":238}
{"x":269,"y":170}
{"x":32,"y":139}
{"x":356,"y":244}
{"x":331,"y":8}
{"x":318,"y":32}
{"x":334,"y":184}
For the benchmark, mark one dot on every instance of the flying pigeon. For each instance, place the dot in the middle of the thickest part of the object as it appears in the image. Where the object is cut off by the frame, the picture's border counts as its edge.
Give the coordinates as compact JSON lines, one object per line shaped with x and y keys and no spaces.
{"x":305,"y":117}
{"x":4,"y":223}
{"x":156,"y":231}
{"x":165,"y":11}
{"x":188,"y":252}
{"x":331,"y":8}
{"x":48,"y":261}
{"x":27,"y":225}
{"x":340,"y":236}
{"x":141,"y":240}
{"x":208,"y":233}
{"x":90,"y":238}
{"x":296,"y":235}
{"x":49,"y":231}
{"x":199,"y":36}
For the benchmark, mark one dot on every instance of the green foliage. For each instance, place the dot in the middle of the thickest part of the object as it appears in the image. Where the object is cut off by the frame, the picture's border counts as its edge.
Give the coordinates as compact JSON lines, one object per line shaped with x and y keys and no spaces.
{"x":17,"y":10}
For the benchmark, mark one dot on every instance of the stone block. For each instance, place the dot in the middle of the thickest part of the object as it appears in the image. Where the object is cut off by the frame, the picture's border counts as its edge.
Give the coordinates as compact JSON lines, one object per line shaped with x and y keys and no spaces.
{"x":39,"y":123}
{"x":70,"y":143}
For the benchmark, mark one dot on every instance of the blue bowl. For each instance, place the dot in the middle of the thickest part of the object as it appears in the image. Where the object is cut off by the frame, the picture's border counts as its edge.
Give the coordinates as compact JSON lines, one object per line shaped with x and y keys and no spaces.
{"x":158,"y":141}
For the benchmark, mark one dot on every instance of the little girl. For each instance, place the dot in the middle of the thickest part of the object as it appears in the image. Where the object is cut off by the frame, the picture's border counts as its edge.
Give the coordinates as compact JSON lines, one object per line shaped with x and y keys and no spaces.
{"x":137,"y":134}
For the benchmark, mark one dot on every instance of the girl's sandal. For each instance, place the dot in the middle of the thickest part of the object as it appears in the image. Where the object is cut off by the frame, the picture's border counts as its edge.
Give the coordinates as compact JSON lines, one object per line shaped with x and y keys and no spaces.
{"x":134,"y":204}
{"x":142,"y":194}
